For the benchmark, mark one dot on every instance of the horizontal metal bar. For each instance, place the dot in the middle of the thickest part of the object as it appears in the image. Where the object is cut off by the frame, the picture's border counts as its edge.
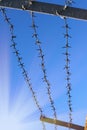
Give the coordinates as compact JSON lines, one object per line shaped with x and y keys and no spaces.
{"x":46,"y":8}
{"x":61,"y":123}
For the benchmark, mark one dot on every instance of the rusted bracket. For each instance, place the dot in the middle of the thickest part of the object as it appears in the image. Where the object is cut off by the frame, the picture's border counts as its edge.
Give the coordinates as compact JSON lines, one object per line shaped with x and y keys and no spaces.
{"x":61,"y":123}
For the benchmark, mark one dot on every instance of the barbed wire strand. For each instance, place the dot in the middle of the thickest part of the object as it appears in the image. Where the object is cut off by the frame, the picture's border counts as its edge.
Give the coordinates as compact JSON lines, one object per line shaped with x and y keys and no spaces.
{"x":67,"y":68}
{"x":67,"y":65}
{"x":43,"y":67}
{"x":21,"y":63}
{"x":67,"y":58}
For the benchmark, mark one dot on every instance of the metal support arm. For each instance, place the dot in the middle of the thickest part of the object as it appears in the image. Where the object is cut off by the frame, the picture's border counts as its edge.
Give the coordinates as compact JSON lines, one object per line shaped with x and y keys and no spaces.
{"x":61,"y":123}
{"x":46,"y":8}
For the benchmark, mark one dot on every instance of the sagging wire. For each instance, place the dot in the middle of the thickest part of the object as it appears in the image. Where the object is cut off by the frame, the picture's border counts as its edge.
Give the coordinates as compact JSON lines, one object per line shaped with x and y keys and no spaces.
{"x":43,"y":67}
{"x":21,"y":63}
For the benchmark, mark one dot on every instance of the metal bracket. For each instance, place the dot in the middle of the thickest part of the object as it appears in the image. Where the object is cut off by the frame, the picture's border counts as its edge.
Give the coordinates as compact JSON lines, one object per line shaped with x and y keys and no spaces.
{"x":46,"y":8}
{"x":61,"y":123}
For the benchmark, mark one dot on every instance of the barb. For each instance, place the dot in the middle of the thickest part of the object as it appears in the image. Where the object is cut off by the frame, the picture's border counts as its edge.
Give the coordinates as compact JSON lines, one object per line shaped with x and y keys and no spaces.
{"x":20,"y":62}
{"x":43,"y":67}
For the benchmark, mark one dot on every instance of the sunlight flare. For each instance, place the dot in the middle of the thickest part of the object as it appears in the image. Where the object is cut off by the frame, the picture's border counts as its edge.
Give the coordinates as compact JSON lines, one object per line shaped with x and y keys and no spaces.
{"x":15,"y":113}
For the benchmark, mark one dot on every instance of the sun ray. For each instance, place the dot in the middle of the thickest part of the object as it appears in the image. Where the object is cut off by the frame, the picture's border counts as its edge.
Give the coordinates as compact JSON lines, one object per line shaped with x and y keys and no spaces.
{"x":14,"y":113}
{"x":4,"y":79}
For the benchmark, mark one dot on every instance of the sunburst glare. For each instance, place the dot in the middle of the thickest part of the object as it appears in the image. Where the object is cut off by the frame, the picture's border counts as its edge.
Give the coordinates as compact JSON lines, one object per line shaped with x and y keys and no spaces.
{"x":15,"y":115}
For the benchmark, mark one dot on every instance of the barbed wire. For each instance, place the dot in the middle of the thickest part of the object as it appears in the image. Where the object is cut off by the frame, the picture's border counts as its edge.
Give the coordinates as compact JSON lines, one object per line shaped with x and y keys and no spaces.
{"x":67,"y":59}
{"x":43,"y":67}
{"x":21,"y":63}
{"x":41,"y":56}
{"x":67,"y":68}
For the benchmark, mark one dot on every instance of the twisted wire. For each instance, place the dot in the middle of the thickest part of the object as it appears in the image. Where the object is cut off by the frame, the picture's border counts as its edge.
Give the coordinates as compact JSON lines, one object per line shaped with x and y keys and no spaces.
{"x":21,"y":63}
{"x":43,"y":67}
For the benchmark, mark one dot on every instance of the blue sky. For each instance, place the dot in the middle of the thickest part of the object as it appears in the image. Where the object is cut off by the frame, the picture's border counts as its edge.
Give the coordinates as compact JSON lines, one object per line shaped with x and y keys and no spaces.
{"x":16,"y":103}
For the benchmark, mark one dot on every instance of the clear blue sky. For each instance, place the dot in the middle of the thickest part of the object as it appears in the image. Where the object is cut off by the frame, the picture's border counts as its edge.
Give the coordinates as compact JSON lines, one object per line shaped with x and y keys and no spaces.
{"x":16,"y":103}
